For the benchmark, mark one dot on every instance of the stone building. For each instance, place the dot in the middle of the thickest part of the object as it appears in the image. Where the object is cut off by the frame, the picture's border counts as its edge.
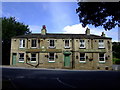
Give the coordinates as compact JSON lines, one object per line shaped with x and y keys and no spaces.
{"x":55,"y":50}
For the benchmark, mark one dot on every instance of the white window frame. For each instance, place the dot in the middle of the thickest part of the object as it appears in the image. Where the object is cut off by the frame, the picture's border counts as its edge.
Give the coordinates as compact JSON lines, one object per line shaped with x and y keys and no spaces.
{"x":49,"y":57}
{"x":84,"y":57}
{"x":67,"y":46}
{"x":22,"y":42}
{"x":21,"y":60}
{"x":49,"y":43}
{"x":101,"y":44}
{"x":82,"y":43}
{"x":36,"y":43}
{"x":33,"y":57}
{"x":101,"y":57}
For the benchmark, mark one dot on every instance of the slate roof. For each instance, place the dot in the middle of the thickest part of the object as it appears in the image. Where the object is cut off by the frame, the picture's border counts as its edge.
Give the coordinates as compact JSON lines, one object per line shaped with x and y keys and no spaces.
{"x":62,"y":36}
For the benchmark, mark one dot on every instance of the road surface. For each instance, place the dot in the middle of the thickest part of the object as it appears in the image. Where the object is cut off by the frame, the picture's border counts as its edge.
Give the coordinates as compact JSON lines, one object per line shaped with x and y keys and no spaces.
{"x":51,"y":78}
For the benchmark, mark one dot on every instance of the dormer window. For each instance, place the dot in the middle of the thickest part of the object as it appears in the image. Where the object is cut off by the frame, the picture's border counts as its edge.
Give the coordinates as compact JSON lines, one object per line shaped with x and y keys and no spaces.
{"x":33,"y":43}
{"x":22,"y":43}
{"x":82,"y":43}
{"x":101,"y":44}
{"x":67,"y":43}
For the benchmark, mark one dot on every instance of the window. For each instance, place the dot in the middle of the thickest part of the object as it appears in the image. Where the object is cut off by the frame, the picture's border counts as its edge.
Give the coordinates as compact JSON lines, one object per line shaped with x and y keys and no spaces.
{"x":21,"y":57}
{"x":101,"y":57}
{"x":67,"y":44}
{"x":22,"y":43}
{"x":51,"y":57}
{"x":82,"y":43}
{"x":33,"y":43}
{"x":52,"y":44}
{"x":101,"y":43}
{"x":82,"y":57}
{"x":33,"y":57}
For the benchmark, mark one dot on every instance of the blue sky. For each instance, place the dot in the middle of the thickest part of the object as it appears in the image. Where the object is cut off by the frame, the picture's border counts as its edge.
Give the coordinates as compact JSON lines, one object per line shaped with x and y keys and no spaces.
{"x":59,"y":17}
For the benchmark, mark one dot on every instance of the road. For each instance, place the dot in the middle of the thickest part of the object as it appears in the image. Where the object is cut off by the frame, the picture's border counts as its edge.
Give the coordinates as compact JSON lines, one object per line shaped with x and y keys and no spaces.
{"x":50,"y":78}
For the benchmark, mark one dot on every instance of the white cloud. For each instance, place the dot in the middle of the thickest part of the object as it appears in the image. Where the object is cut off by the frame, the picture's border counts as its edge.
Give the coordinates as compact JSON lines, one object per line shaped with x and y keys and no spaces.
{"x":76,"y":29}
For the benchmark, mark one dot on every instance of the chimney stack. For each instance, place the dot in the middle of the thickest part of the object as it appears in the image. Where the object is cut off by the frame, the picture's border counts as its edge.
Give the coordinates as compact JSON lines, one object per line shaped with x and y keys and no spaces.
{"x":43,"y":30}
{"x":103,"y":34}
{"x":87,"y":31}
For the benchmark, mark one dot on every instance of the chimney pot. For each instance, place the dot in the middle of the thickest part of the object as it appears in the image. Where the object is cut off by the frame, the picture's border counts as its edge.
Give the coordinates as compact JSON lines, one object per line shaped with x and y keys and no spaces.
{"x":43,"y":30}
{"x":87,"y":31}
{"x":103,"y":34}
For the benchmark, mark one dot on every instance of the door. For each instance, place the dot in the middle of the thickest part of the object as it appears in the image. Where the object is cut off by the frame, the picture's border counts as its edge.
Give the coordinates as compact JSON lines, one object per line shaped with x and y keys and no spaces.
{"x":14,"y":59}
{"x":67,"y":60}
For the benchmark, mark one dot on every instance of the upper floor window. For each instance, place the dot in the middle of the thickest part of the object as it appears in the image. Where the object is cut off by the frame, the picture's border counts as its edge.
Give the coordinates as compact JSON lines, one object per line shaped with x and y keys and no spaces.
{"x":101,"y":44}
{"x":22,"y":43}
{"x":21,"y":57}
{"x":33,"y":57}
{"x":82,"y":57}
{"x":67,"y":43}
{"x":82,"y":43}
{"x":52,"y":44}
{"x":33,"y":43}
{"x":51,"y":57}
{"x":101,"y":57}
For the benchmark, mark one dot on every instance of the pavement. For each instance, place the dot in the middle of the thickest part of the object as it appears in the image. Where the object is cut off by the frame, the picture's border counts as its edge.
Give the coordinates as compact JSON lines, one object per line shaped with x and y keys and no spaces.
{"x":19,"y":78}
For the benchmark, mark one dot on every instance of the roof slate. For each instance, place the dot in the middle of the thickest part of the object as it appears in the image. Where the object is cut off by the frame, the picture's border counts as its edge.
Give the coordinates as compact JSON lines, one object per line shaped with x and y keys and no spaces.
{"x":62,"y":36}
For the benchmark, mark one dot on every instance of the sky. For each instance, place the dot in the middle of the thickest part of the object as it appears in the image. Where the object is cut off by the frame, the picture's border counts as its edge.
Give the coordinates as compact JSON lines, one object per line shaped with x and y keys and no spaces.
{"x":59,"y":17}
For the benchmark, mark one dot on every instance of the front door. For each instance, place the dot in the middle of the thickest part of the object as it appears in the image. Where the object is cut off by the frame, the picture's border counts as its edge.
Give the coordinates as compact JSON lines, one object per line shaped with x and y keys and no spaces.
{"x":14,"y":59}
{"x":67,"y":60}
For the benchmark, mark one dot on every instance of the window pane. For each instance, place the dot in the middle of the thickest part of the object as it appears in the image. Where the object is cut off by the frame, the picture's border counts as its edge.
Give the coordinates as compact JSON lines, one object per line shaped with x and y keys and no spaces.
{"x":33,"y":57}
{"x":22,"y":43}
{"x":101,"y":57}
{"x":82,"y":43}
{"x":82,"y":56}
{"x":33,"y":43}
{"x":51,"y":56}
{"x":51,"y":42}
{"x":21,"y":56}
{"x":67,"y":43}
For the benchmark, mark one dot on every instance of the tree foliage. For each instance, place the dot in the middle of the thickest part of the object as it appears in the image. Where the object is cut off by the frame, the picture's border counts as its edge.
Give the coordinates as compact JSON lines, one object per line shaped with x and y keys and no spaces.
{"x":10,"y":28}
{"x":105,"y":14}
{"x":116,"y":49}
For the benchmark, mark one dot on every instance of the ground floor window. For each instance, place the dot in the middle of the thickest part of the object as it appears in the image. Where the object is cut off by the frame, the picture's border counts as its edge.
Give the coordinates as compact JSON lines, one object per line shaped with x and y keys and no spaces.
{"x":21,"y":57}
{"x":82,"y":57}
{"x":51,"y":57}
{"x":33,"y":57}
{"x":101,"y":57}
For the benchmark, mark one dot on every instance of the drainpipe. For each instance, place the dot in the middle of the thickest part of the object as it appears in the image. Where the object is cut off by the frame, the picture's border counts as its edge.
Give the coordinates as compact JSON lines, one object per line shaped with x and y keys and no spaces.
{"x":73,"y":56}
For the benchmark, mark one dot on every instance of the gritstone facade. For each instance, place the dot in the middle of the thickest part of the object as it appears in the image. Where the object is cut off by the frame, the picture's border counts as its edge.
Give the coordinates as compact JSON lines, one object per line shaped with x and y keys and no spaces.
{"x":55,"y":50}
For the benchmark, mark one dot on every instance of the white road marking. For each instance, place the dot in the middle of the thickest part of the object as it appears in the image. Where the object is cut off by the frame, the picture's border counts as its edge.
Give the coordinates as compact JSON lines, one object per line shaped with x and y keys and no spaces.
{"x":65,"y":83}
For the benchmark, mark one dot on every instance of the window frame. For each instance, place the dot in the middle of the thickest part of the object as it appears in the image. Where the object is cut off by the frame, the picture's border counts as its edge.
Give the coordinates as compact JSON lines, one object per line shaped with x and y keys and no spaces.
{"x":49,"y":57}
{"x":101,"y":44}
{"x":65,"y":44}
{"x":33,"y":57}
{"x":21,"y":60}
{"x":84,"y":57}
{"x":22,"y":43}
{"x":82,"y":43}
{"x":33,"y":43}
{"x":101,"y":57}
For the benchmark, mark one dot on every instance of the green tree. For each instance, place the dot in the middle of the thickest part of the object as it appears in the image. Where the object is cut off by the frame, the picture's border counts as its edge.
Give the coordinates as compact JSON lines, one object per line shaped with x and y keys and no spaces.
{"x":105,"y":14}
{"x":10,"y":28}
{"x":116,"y":49}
